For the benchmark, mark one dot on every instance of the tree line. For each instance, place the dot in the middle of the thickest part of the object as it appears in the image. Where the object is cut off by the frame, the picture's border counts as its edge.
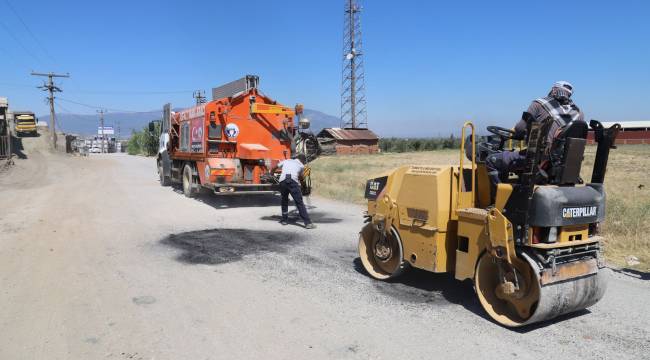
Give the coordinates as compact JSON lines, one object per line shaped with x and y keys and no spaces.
{"x":399,"y":145}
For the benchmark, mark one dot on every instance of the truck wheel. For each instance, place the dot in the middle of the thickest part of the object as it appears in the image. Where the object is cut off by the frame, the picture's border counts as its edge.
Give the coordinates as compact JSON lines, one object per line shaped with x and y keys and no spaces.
{"x":188,"y":185}
{"x":164,"y":180}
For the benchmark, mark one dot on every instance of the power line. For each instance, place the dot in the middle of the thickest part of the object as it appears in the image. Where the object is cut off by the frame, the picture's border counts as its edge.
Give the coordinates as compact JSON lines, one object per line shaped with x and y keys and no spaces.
{"x":82,"y":104}
{"x":68,"y":112}
{"x":105,"y":108}
{"x":29,"y":31}
{"x":129,"y":92}
{"x":108,"y":92}
{"x":8,"y":54}
{"x":16,"y":85}
{"x":16,"y":39}
{"x":59,"y":123}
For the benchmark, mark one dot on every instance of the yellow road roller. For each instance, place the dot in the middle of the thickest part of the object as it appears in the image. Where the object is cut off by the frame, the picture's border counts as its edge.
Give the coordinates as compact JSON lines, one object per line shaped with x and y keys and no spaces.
{"x":530,"y":244}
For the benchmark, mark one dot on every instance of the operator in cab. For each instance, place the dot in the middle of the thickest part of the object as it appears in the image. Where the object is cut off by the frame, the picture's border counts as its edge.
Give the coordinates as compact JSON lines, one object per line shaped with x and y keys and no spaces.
{"x":557,"y":105}
{"x":292,"y":172}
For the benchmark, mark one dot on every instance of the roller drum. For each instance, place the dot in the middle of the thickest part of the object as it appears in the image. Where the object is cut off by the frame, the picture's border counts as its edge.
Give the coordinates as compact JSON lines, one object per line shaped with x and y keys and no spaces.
{"x":568,"y":296}
{"x":537,"y":302}
{"x":381,"y":258}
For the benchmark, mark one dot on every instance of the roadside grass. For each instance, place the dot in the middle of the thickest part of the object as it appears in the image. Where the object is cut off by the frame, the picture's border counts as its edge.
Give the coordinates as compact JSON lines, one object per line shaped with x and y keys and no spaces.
{"x":344,"y":177}
{"x":627,"y":226}
{"x":626,"y":229}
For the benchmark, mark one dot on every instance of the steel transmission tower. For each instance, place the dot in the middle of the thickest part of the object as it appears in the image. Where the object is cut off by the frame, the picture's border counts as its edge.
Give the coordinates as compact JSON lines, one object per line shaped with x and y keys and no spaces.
{"x":353,"y":88}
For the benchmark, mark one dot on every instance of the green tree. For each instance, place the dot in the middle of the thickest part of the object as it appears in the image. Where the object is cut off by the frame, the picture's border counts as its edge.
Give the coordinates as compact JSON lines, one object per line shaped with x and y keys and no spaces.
{"x":144,"y":142}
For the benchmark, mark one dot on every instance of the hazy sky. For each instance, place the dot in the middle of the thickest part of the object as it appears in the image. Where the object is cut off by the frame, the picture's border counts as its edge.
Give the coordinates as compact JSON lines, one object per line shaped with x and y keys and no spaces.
{"x":430,"y":65}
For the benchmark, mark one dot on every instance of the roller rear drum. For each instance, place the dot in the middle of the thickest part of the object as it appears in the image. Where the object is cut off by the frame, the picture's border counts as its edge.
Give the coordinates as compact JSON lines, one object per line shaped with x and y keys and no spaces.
{"x":381,"y":256}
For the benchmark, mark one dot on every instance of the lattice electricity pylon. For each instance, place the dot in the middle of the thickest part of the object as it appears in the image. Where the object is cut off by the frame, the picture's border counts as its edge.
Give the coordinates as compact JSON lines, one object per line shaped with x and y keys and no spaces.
{"x":353,"y":84}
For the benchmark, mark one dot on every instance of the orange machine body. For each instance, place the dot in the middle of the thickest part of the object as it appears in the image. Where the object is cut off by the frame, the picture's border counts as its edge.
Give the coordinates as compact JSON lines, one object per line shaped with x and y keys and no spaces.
{"x":233,"y":140}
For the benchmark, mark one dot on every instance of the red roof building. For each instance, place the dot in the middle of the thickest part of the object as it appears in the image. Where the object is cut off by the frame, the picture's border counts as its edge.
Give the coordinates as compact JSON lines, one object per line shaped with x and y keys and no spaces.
{"x":632,"y":132}
{"x":348,"y":141}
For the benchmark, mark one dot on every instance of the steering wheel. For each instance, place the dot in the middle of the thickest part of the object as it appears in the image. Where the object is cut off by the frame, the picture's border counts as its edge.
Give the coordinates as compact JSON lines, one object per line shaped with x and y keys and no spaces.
{"x":503,"y":133}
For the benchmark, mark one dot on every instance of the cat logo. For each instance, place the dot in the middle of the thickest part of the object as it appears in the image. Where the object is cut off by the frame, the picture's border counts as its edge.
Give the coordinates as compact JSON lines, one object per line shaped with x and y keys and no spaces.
{"x":579,"y":212}
{"x":374,"y":187}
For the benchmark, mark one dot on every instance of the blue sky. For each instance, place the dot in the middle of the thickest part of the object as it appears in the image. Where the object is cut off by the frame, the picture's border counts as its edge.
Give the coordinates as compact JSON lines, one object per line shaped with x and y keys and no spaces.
{"x":430,"y":65}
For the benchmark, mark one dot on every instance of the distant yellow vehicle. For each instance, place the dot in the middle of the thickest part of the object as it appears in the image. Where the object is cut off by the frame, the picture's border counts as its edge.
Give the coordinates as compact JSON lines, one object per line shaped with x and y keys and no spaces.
{"x":25,"y":123}
{"x":531,"y":245}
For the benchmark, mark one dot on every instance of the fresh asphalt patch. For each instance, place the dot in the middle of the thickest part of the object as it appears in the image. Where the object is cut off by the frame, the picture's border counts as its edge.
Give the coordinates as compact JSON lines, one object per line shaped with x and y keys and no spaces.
{"x":220,"y":246}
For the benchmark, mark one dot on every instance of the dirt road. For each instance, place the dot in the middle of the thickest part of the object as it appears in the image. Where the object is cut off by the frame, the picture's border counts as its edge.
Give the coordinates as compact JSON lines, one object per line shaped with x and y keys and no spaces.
{"x":97,"y":261}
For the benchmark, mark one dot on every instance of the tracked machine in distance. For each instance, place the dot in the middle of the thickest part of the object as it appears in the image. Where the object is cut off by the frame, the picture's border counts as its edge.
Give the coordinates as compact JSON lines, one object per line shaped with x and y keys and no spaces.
{"x":231,"y":145}
{"x":531,"y":245}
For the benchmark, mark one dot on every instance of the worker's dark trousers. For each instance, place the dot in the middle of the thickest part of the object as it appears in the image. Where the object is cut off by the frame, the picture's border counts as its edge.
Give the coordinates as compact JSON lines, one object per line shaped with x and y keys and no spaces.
{"x":499,"y":165}
{"x":288,"y":186}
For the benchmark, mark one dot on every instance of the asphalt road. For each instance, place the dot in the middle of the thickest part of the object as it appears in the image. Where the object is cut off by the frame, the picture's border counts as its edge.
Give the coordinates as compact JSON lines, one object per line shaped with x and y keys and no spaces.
{"x":98,"y":261}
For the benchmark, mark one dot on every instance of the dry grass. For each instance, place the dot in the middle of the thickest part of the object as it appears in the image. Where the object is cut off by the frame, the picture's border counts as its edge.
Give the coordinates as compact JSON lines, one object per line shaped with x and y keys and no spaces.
{"x":627,"y":226}
{"x":627,"y":229}
{"x":344,"y":177}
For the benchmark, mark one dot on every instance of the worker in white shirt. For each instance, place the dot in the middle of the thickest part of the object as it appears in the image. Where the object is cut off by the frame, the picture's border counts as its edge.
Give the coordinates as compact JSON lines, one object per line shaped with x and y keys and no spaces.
{"x":292,"y":171}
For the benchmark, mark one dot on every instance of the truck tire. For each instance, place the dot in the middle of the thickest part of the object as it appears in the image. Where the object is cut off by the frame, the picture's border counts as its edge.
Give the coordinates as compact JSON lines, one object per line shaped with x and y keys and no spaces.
{"x":164,"y":180}
{"x":188,"y":181}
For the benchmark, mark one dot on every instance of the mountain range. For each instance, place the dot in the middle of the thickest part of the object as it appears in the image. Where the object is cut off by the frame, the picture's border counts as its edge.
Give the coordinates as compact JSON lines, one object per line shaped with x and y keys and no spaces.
{"x":124,"y":123}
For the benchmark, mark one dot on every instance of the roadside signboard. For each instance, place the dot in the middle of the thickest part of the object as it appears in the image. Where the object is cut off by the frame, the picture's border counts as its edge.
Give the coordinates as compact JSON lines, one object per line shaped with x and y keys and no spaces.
{"x":108,"y":130}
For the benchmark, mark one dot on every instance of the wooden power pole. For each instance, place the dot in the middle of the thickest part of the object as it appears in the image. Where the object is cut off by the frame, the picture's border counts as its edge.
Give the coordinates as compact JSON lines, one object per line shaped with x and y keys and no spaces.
{"x":199,"y":95}
{"x":101,"y":122}
{"x":51,"y":88}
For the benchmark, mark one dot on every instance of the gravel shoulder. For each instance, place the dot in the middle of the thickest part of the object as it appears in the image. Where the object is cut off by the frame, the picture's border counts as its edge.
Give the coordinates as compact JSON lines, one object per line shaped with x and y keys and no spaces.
{"x":97,"y":260}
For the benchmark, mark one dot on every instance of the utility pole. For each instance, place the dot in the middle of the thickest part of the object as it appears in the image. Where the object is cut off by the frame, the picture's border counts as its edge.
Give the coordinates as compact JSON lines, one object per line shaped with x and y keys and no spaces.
{"x":101,"y":122}
{"x":199,"y":95}
{"x":51,"y":88}
{"x":117,"y":140}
